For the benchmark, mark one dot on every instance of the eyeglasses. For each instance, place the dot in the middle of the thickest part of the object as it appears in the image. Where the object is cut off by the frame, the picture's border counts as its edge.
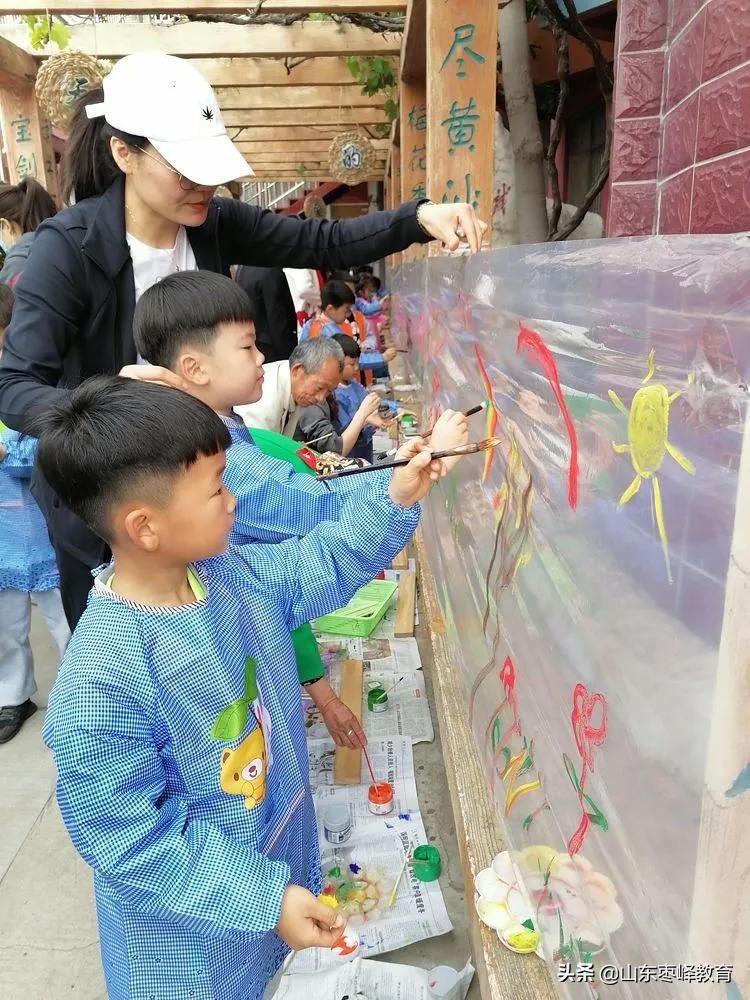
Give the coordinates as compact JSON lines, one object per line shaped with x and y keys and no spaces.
{"x":185,"y":184}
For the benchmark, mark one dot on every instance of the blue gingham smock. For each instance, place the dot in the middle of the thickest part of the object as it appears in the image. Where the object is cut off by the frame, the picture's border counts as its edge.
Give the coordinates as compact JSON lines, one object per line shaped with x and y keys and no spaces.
{"x":27,"y":561}
{"x":274,"y":502}
{"x":188,"y":880}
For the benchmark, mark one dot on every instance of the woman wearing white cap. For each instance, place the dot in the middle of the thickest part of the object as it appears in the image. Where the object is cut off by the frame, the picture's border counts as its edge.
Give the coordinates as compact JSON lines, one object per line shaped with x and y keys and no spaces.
{"x":143,"y":161}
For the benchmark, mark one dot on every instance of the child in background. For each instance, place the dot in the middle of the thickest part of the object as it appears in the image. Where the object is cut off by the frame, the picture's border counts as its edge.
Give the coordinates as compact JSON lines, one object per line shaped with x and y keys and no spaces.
{"x":175,"y":722}
{"x":320,"y":425}
{"x":27,"y":570}
{"x":336,"y":301}
{"x":351,"y":397}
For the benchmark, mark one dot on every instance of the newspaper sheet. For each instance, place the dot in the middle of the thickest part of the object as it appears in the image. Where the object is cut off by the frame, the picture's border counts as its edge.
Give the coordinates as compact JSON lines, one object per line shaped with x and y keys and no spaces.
{"x":384,"y":662}
{"x":375,"y":852}
{"x":366,"y":980}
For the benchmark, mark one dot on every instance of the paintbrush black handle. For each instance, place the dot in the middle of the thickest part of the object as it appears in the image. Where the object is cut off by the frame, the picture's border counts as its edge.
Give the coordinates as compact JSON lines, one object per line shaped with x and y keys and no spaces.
{"x":467,"y":413}
{"x":388,"y":465}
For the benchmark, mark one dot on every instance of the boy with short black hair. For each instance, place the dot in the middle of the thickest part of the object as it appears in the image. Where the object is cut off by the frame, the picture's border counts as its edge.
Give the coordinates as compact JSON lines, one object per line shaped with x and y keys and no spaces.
{"x":336,"y":302}
{"x":175,"y":721}
{"x":350,"y":396}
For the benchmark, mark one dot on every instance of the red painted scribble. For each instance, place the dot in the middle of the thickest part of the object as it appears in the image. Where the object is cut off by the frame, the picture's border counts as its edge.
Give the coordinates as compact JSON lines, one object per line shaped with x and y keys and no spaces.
{"x":493,"y":414}
{"x":587,"y":736}
{"x":533,"y":344}
{"x":508,"y":679}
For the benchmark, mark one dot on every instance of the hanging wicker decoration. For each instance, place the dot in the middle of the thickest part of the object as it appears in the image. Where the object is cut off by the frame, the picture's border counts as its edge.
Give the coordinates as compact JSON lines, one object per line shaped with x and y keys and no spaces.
{"x":351,"y":157}
{"x":314,"y":207}
{"x":62,"y":79}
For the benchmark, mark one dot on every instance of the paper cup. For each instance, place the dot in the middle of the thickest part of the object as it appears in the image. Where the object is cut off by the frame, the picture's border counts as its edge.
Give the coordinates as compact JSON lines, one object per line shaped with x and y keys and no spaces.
{"x":444,"y":983}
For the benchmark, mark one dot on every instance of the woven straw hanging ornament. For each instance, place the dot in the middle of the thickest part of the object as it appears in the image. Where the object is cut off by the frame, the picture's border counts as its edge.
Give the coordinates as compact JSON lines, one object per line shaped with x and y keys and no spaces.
{"x":62,"y":79}
{"x":351,"y":157}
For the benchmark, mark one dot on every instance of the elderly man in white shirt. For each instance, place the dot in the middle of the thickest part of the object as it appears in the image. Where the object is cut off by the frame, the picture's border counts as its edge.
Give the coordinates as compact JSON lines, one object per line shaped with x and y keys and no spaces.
{"x":312,"y":372}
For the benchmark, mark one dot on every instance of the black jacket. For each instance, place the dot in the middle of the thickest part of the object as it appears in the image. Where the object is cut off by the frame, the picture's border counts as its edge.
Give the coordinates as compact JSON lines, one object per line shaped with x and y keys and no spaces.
{"x":275,"y":318}
{"x":73,"y":313}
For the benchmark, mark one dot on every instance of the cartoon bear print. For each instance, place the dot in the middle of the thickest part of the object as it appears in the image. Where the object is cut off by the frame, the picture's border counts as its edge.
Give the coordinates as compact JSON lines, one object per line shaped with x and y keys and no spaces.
{"x":243,"y":770}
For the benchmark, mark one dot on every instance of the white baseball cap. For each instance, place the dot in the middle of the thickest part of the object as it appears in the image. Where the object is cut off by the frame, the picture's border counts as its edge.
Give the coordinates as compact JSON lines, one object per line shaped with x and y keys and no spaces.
{"x":167,"y":100}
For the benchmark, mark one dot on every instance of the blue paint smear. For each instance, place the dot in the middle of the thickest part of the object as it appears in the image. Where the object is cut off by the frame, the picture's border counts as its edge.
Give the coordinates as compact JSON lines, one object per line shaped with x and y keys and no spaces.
{"x":733,"y":990}
{"x":741,"y":783}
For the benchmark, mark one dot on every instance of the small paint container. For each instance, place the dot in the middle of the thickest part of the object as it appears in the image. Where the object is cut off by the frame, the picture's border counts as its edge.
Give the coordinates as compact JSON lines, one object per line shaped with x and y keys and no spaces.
{"x":444,"y":983}
{"x":377,"y":699}
{"x":337,"y":823}
{"x":426,"y":863}
{"x":380,"y":798}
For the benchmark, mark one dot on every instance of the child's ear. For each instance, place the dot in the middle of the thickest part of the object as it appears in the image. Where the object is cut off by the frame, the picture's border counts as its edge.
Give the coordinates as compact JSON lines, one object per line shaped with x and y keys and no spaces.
{"x":190,"y":367}
{"x":140,"y":530}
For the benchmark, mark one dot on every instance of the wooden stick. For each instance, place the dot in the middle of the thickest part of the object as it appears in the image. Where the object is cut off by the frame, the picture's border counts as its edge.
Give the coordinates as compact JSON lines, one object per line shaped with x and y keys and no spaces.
{"x":405,"y":605}
{"x":394,"y":890}
{"x":347,"y":764}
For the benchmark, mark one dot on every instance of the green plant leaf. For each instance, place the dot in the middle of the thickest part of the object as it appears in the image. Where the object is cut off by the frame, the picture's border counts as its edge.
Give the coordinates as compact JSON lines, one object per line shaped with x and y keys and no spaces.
{"x":231,"y":721}
{"x":391,"y":109}
{"x":251,"y":683}
{"x":301,"y":169}
{"x":60,"y":34}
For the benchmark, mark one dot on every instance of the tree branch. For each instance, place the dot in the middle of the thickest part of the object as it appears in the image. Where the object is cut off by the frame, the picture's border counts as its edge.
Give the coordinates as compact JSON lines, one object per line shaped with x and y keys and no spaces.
{"x":572,"y":24}
{"x":378,"y":23}
{"x":563,"y":75}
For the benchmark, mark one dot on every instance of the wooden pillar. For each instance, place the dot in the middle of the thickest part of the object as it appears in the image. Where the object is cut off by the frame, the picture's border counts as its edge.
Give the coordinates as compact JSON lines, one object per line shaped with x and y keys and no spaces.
{"x":720,"y":919}
{"x":413,"y":105}
{"x":462,"y":70}
{"x":27,"y":138}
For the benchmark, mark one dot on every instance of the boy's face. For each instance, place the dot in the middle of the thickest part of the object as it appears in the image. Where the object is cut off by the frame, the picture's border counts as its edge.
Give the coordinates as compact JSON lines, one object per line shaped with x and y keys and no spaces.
{"x":351,"y":367}
{"x":193,"y":523}
{"x":338,"y":313}
{"x":230,"y":372}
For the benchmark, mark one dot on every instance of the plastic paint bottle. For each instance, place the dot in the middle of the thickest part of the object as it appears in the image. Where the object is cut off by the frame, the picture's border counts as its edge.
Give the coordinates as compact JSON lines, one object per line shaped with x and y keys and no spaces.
{"x":380,"y":798}
{"x":337,"y":823}
{"x":377,"y":699}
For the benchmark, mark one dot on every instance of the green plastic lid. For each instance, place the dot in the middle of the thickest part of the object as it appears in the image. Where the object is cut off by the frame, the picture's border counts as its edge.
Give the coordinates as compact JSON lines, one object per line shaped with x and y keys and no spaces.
{"x":278,"y":446}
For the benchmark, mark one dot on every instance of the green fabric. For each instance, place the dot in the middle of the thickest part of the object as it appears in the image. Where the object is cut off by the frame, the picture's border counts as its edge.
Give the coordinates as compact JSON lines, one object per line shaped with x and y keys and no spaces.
{"x":279,"y":446}
{"x":309,"y":664}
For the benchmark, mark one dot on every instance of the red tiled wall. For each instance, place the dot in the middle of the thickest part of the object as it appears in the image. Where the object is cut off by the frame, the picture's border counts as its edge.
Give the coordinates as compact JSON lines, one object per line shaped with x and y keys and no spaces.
{"x":681,"y":150}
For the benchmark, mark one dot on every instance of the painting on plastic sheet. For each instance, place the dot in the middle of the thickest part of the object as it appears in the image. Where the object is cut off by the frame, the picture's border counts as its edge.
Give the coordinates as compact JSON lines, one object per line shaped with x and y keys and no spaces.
{"x":597,"y":620}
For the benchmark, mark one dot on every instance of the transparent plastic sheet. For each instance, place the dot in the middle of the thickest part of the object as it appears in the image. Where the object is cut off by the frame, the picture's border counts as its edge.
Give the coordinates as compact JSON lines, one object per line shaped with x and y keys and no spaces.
{"x":589,"y":661}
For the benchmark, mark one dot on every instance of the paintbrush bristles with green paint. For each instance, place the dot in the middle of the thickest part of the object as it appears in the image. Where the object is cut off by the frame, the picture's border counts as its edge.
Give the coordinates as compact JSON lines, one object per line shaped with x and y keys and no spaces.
{"x":464,"y":449}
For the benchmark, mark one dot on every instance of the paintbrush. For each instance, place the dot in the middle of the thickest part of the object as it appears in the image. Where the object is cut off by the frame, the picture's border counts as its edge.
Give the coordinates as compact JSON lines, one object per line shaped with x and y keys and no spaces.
{"x":467,"y":413}
{"x":394,"y":890}
{"x":465,"y":449}
{"x":385,"y":694}
{"x":369,"y":765}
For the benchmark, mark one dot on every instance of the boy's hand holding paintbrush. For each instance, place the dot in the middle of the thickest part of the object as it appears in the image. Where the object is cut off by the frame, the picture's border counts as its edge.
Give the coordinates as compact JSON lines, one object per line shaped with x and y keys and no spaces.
{"x":411,"y":482}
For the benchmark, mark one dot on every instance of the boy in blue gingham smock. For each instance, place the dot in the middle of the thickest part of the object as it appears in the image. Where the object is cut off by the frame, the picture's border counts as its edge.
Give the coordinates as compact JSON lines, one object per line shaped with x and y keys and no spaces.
{"x":177,"y":727}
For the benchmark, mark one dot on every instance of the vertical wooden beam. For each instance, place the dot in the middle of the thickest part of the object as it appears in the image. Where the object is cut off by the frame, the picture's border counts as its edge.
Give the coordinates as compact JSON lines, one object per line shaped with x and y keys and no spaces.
{"x":413,"y":104}
{"x":462,"y":69}
{"x":28,"y":138}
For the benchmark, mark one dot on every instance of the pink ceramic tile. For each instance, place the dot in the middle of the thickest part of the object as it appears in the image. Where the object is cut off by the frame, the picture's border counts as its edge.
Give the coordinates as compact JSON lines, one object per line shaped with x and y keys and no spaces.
{"x":635,"y":150}
{"x":724,"y":123}
{"x":639,"y":84}
{"x":721,"y":196}
{"x":727,"y":36}
{"x":685,"y":60}
{"x":631,"y":210}
{"x":642,"y":24}
{"x":678,"y":137}
{"x":674,"y":204}
{"x":681,"y":12}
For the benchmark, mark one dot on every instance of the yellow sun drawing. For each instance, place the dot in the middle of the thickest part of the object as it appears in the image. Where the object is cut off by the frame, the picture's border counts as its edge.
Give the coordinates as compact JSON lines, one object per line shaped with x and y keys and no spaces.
{"x":648,"y":443}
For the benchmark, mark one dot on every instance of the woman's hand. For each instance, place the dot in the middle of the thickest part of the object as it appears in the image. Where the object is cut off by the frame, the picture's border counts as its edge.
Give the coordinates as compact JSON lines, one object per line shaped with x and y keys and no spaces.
{"x":153,"y":373}
{"x":451,"y":224}
{"x":343,"y":725}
